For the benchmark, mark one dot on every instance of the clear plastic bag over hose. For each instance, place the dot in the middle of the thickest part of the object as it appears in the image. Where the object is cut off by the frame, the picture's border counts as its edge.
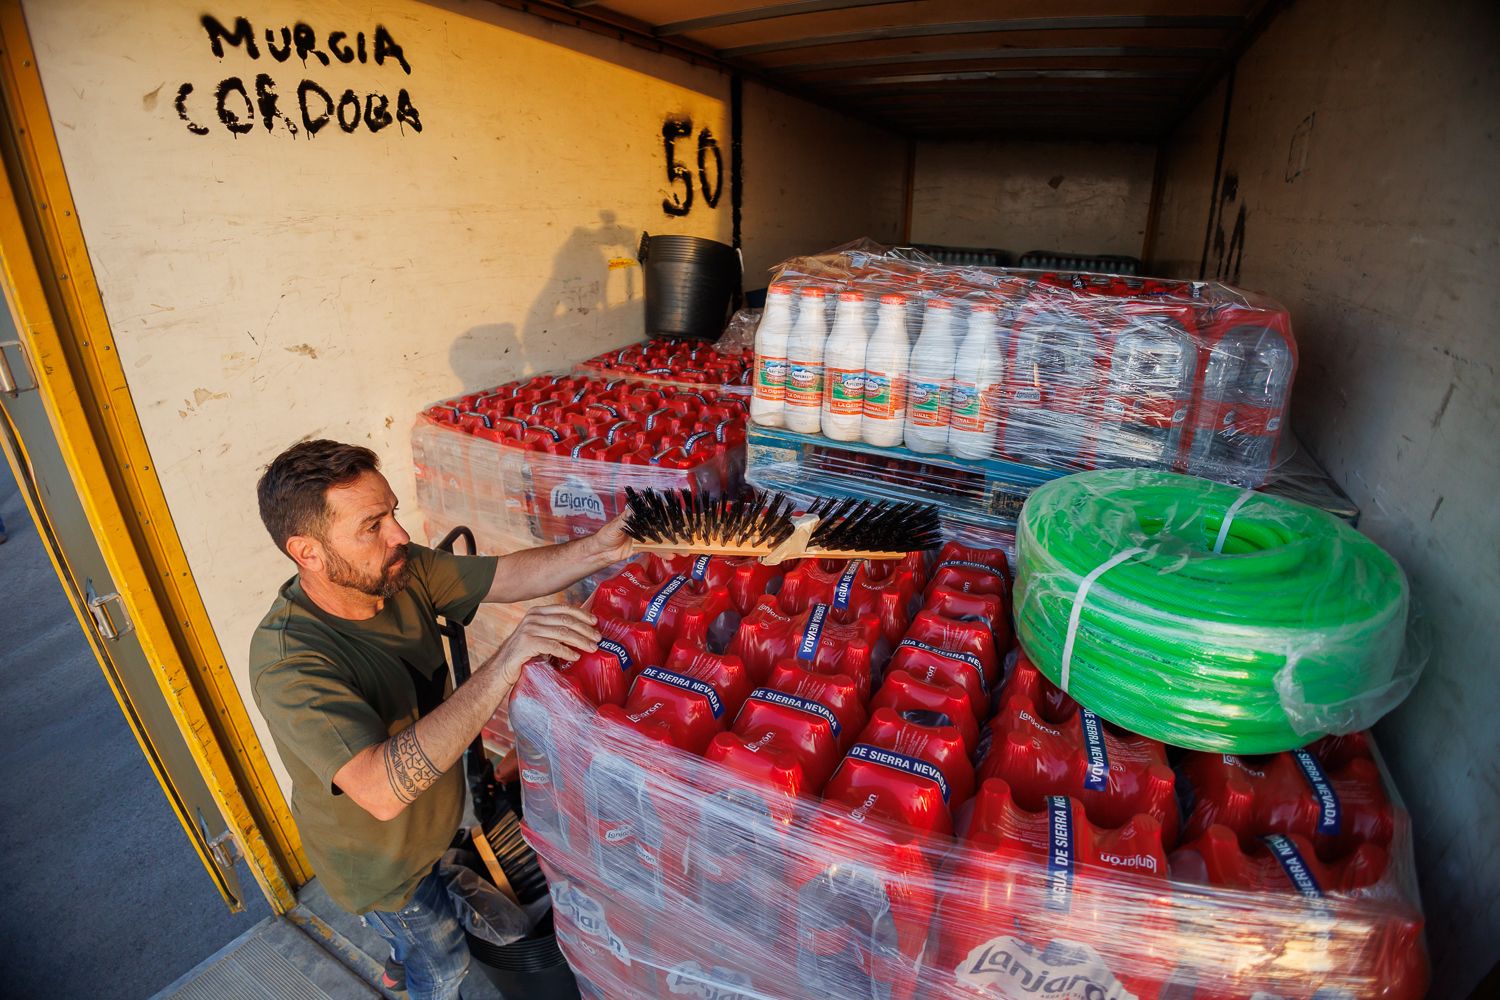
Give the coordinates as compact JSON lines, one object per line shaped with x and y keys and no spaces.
{"x":1210,"y":617}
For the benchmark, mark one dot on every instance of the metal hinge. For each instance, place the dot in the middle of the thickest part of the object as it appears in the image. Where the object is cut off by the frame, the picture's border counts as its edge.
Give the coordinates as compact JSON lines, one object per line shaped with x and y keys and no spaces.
{"x":110,"y":625}
{"x":7,"y":377}
{"x":225,"y":849}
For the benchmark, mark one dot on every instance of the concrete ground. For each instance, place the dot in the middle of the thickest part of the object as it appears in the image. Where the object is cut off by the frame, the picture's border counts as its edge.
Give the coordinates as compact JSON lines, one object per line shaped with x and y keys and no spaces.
{"x":102,"y":895}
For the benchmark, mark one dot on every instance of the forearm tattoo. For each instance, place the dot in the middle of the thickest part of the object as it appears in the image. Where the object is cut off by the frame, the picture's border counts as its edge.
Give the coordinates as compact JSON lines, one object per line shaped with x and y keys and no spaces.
{"x":408,"y":768}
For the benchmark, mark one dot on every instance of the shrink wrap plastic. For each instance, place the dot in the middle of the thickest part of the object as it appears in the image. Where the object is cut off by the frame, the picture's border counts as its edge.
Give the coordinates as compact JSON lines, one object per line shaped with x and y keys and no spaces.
{"x":1053,"y":370}
{"x":683,"y":364}
{"x":550,"y":457}
{"x":673,"y":875}
{"x":923,"y":820}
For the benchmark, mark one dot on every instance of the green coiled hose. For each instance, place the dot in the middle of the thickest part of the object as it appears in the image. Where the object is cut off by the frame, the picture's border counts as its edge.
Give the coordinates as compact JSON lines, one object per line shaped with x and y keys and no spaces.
{"x":1293,"y":629}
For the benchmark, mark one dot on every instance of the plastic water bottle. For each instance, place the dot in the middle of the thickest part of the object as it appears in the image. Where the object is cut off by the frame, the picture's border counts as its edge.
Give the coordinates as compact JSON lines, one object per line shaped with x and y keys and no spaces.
{"x":844,"y":370}
{"x":976,"y":386}
{"x":932,"y":361}
{"x":804,"y":355}
{"x":886,"y":359}
{"x":768,"y":403}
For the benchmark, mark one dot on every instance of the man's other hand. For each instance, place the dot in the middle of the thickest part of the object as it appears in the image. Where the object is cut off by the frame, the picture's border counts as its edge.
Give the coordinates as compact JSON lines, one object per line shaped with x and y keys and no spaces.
{"x":558,"y":630}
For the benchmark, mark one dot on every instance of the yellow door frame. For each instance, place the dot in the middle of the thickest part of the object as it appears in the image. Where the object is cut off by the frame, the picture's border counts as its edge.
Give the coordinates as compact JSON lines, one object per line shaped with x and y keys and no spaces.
{"x":60,"y":318}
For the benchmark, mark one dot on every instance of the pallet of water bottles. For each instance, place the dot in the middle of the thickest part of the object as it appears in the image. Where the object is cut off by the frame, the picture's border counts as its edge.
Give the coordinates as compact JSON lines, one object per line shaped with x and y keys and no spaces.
{"x":840,"y":780}
{"x":549,"y":457}
{"x":1045,"y":369}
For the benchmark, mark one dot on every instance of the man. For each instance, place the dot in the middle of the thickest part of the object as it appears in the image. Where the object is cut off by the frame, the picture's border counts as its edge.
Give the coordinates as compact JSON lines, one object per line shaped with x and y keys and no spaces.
{"x":348,"y":669}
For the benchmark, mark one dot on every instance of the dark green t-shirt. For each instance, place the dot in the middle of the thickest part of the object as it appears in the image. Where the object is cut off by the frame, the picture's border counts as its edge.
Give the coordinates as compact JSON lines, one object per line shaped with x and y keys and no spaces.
{"x":330,"y":687}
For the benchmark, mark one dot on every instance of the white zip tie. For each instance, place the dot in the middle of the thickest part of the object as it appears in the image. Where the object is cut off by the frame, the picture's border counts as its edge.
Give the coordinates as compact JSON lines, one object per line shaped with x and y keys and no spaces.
{"x":1079,"y":598}
{"x":1234,"y":509}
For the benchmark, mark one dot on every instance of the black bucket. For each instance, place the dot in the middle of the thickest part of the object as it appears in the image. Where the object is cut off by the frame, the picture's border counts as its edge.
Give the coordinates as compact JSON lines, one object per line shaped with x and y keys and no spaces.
{"x":533,"y":968}
{"x":689,"y":283}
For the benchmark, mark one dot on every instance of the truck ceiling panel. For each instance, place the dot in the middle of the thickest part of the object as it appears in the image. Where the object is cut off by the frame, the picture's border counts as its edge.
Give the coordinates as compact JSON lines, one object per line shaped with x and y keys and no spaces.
{"x":915,"y":17}
{"x":1154,"y":39}
{"x":978,"y":59}
{"x":1139,"y":63}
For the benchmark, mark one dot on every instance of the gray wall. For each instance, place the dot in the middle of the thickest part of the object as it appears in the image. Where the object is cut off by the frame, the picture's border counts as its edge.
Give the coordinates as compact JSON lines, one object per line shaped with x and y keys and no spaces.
{"x":1079,"y":197}
{"x":1364,"y":139}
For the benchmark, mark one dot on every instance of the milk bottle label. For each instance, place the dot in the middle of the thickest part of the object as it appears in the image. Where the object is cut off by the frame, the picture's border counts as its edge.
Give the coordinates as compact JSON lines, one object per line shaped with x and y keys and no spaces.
{"x":770,"y":379}
{"x":929,"y":404}
{"x":804,"y":385}
{"x":884,"y":398}
{"x":967,"y":411}
{"x":846,"y":391}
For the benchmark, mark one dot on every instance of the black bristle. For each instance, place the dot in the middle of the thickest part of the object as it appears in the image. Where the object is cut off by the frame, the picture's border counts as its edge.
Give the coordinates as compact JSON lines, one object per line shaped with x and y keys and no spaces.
{"x":689,"y":514}
{"x":776,"y":518}
{"x":878,"y":526}
{"x":749,"y":514}
{"x":726,"y":514}
{"x":688,"y":518}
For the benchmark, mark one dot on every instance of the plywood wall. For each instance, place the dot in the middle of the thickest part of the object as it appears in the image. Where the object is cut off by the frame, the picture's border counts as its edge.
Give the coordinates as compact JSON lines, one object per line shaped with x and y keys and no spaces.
{"x":814,"y":179}
{"x":267,"y":281}
{"x":1359,"y":188}
{"x":1083,"y":198}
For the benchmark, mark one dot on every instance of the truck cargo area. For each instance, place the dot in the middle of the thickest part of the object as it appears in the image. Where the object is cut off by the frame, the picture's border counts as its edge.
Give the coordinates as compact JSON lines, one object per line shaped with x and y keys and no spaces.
{"x":1251,"y":241}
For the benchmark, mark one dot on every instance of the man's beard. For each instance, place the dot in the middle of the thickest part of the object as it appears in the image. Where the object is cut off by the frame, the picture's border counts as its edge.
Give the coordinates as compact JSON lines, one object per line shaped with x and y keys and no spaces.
{"x":383,"y":585}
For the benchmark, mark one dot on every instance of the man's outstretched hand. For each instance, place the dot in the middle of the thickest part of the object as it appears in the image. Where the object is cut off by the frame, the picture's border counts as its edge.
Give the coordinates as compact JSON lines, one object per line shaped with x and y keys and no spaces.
{"x":612,"y":542}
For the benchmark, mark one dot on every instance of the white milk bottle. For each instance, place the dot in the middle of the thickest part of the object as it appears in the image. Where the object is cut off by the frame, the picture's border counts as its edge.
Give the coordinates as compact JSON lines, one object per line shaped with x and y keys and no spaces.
{"x":886,"y":359}
{"x":976,"y":387}
{"x":931,"y":379}
{"x":768,"y":402}
{"x":804,"y":358}
{"x":844,"y":370}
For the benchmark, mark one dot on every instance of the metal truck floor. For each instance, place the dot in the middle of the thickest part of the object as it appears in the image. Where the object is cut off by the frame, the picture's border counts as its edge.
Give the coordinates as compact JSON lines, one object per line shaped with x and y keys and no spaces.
{"x":315,"y":952}
{"x":274,"y":960}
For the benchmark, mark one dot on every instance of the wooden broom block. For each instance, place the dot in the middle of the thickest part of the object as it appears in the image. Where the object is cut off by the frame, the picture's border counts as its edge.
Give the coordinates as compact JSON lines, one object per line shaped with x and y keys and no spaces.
{"x":492,"y":863}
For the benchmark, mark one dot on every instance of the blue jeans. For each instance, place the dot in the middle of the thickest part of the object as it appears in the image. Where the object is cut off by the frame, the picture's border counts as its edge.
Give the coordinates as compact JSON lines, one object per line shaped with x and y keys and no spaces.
{"x":426,"y":937}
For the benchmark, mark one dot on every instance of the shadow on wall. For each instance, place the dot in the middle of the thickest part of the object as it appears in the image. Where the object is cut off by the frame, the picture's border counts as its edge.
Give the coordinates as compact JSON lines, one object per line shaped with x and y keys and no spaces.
{"x":572,"y":316}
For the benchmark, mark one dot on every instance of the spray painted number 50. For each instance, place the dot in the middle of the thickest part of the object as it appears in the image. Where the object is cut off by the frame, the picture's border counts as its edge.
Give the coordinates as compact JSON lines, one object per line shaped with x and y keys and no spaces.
{"x":679,"y":205}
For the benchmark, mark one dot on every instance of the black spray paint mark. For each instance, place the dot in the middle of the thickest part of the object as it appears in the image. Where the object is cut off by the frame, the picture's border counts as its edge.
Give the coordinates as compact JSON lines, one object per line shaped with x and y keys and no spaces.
{"x":406,"y":111}
{"x":708,"y":150}
{"x":378,"y":116}
{"x":316,"y":104}
{"x":231,"y":119}
{"x":349,"y":121}
{"x":306,"y":41}
{"x":385,"y":45}
{"x":285,"y":52}
{"x":182,"y":96}
{"x":243,"y":34}
{"x":343,"y":54}
{"x":708,"y":144}
{"x":266,"y":98}
{"x":302,"y":38}
{"x":313,"y":125}
{"x":671,"y":130}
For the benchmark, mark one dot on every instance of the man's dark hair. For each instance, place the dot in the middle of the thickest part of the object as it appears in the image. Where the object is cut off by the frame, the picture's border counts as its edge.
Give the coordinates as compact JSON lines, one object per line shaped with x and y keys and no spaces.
{"x":293,"y":490}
